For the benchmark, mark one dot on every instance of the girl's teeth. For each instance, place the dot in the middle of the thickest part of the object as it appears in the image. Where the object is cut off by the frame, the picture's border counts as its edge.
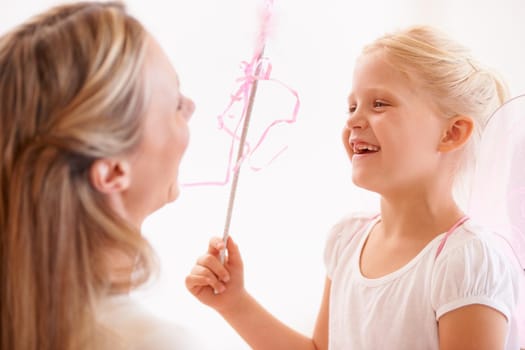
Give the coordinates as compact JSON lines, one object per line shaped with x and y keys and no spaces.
{"x":360,"y":148}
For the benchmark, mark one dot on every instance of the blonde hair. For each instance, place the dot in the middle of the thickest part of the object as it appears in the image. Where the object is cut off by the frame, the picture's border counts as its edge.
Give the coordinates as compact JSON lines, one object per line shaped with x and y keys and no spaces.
{"x":458,"y":84}
{"x":71,"y":92}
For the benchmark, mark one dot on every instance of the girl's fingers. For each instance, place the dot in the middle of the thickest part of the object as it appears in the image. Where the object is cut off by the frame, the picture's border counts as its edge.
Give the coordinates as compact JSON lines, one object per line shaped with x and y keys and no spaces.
{"x":193,"y":282}
{"x":234,"y":255}
{"x":215,"y":246}
{"x":203,"y":277}
{"x":213,"y":264}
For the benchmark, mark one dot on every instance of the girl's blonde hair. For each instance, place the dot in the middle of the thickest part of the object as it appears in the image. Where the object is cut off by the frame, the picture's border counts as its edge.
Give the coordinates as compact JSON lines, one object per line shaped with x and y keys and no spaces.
{"x":71,"y":92}
{"x":458,"y":84}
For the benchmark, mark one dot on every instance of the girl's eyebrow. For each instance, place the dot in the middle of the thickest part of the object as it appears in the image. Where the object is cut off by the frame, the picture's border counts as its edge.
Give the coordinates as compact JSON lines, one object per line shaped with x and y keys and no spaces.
{"x":373,"y":91}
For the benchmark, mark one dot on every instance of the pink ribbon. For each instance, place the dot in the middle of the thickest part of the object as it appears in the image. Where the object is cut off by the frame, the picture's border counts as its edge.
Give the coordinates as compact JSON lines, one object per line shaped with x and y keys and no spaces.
{"x":259,"y":68}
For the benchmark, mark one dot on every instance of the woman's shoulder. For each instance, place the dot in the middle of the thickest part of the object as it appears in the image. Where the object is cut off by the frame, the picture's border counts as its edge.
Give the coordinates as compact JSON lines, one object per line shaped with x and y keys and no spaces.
{"x":134,"y":327}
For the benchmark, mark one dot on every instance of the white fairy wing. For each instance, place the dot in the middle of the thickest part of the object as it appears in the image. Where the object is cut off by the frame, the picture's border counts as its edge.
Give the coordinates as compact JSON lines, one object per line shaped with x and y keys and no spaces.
{"x":498,"y":192}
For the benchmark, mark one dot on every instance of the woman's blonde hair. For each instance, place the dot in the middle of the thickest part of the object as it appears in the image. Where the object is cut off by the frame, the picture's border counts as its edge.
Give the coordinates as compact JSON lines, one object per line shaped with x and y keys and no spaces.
{"x":71,"y":92}
{"x":458,"y":84}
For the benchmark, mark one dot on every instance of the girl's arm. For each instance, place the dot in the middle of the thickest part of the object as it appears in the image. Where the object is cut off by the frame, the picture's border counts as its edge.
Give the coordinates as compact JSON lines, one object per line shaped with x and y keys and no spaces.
{"x":222,"y":288}
{"x":472,"y":327}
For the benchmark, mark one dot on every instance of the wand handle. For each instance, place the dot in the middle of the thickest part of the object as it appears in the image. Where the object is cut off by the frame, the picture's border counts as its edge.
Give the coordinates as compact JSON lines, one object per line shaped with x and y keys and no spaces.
{"x":244,"y":133}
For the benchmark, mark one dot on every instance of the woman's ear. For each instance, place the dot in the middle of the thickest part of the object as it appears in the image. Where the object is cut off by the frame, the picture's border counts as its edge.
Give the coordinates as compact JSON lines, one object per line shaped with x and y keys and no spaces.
{"x":110,"y":175}
{"x":456,"y":134}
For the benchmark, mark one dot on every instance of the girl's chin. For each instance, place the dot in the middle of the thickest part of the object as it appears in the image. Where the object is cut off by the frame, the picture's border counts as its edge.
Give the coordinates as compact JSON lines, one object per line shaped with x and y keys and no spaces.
{"x":363,"y":182}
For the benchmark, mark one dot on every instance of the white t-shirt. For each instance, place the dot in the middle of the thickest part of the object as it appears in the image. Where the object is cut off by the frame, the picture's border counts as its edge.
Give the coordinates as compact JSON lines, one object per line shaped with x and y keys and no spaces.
{"x":132,"y":327}
{"x":400,"y":310}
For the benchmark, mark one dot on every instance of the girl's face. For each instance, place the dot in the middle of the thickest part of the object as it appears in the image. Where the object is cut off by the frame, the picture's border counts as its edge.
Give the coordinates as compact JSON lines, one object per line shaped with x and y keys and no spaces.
{"x":392,"y":133}
{"x":155,"y":164}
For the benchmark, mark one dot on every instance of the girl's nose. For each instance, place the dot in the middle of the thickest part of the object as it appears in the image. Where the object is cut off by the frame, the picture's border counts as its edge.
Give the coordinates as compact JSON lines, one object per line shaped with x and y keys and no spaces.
{"x":356,"y":120}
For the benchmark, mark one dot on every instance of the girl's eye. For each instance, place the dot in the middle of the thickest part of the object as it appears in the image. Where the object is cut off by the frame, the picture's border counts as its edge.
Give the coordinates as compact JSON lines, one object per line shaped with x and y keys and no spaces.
{"x":379,"y":104}
{"x":352,"y":109}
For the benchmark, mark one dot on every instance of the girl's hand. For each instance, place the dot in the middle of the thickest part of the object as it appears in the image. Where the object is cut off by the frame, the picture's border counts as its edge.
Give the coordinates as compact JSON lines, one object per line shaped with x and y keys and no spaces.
{"x":214,"y":284}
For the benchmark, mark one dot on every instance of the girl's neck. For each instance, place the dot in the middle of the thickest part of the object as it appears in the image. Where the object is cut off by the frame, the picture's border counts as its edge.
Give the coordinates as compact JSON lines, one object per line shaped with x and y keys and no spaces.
{"x":418,"y":216}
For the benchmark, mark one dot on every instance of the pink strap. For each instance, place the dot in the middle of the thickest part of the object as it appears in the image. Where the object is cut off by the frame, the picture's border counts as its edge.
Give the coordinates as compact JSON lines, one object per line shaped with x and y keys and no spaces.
{"x":449,"y":232}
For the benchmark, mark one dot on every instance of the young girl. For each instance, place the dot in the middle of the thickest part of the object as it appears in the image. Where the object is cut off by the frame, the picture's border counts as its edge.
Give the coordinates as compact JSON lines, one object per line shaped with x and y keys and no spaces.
{"x":420,"y":274}
{"x":92,"y":131}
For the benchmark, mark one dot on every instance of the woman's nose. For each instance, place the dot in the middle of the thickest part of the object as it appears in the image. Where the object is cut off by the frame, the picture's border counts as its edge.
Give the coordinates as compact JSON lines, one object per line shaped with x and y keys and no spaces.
{"x":189,"y":108}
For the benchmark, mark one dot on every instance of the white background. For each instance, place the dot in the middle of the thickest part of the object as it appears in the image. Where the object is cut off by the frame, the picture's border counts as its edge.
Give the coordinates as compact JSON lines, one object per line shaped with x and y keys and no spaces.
{"x":282,"y":213}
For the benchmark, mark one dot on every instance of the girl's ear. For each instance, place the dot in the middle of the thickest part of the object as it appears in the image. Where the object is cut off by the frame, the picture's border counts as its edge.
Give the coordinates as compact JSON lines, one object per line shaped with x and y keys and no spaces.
{"x":110,"y":175}
{"x":456,"y":134}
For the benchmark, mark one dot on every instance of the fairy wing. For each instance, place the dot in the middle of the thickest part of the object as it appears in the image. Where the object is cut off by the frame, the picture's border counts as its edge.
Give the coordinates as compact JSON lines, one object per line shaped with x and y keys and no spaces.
{"x":498,"y":193}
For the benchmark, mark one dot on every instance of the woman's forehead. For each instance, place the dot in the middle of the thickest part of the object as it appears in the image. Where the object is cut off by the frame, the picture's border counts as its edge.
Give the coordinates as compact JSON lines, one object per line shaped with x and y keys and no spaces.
{"x":159,"y":70}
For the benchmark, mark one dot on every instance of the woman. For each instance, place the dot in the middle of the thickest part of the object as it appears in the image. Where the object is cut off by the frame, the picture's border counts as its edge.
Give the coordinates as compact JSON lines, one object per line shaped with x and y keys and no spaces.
{"x":93,"y":128}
